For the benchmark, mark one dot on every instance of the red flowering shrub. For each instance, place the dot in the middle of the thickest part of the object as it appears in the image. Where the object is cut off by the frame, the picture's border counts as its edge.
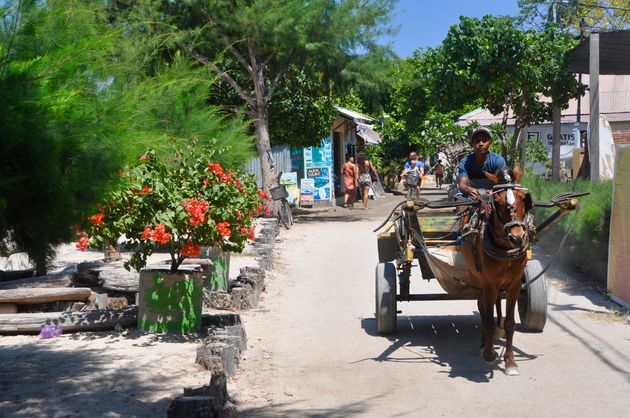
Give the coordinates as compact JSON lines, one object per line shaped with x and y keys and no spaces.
{"x":178,"y":207}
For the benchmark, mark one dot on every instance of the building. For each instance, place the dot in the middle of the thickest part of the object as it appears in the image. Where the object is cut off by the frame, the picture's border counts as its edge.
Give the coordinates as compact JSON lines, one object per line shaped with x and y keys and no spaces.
{"x":614,"y":105}
{"x":320,"y":165}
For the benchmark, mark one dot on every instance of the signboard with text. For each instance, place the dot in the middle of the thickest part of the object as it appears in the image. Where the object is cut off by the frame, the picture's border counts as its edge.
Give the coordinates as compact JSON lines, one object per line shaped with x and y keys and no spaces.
{"x":318,"y":166}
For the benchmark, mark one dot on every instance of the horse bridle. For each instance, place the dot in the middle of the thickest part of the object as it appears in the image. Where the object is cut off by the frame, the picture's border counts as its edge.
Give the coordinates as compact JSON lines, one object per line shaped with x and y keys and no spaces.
{"x":488,"y":206}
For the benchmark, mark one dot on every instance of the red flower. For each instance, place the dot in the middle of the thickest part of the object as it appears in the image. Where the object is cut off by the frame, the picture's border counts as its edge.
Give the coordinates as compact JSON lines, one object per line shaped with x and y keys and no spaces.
{"x":160,"y":235}
{"x":145,"y":157}
{"x":239,"y":216}
{"x":250,"y":234}
{"x":145,"y":190}
{"x":147,"y":233}
{"x":216,"y":169}
{"x":267,"y":211}
{"x":83,"y":243}
{"x":205,"y":182}
{"x":77,"y":228}
{"x":197,"y":210}
{"x":224,"y":229}
{"x":97,"y":219}
{"x":263,"y":195}
{"x":238,"y":184}
{"x":191,"y":250}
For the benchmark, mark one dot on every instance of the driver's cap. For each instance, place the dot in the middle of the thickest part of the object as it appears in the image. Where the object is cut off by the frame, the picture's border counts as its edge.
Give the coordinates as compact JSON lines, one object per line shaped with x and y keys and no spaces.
{"x":481,"y":130}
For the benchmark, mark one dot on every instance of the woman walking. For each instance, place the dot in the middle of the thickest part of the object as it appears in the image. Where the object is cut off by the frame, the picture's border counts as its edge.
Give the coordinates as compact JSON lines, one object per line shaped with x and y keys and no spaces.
{"x":364,"y":180}
{"x":350,"y":176}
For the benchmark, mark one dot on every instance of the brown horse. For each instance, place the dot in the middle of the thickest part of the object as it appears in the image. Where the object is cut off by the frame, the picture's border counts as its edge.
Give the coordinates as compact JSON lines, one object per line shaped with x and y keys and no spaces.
{"x":495,"y":250}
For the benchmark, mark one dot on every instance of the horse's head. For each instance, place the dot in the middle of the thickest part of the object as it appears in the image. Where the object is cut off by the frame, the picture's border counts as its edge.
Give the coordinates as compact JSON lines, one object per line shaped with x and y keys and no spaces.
{"x":510,"y":204}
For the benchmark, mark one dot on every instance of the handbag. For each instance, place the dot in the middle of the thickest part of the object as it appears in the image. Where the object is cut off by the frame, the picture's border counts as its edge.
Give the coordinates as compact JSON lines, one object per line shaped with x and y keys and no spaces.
{"x":373,"y":175}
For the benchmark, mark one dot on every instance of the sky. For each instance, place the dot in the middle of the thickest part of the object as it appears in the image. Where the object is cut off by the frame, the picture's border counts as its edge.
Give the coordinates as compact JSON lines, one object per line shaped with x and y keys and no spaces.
{"x":424,"y":23}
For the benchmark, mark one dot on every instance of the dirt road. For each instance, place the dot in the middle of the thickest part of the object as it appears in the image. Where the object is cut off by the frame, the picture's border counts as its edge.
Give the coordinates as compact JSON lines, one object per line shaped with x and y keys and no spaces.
{"x":314,"y":350}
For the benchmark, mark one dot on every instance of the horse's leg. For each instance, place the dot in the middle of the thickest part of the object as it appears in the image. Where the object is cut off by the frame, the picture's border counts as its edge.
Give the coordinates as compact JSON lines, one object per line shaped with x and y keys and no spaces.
{"x":500,"y":332}
{"x":482,"y":313}
{"x":511,"y":369}
{"x":486,"y":304}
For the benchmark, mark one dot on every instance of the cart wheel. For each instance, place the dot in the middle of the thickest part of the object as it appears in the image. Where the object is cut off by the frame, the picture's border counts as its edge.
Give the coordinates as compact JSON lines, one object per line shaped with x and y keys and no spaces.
{"x":532,"y":302}
{"x":385,"y":298}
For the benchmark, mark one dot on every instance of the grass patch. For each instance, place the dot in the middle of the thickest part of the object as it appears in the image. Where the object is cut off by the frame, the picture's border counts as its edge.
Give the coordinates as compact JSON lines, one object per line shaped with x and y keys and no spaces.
{"x":586,"y":249}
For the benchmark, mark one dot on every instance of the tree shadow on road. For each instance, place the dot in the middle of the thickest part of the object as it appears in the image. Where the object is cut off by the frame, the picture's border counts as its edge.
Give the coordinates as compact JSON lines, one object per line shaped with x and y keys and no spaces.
{"x":293,"y":409}
{"x":37,"y":381}
{"x":450,"y":342}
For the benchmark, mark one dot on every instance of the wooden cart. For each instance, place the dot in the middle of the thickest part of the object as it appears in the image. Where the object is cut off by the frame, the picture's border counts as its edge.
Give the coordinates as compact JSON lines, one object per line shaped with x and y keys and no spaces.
{"x":432,"y":238}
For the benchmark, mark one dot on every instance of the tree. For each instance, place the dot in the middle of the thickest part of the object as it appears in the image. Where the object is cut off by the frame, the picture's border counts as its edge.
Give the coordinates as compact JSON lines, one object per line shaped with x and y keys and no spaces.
{"x":75,"y":109}
{"x":508,"y":70}
{"x":251,"y":45}
{"x":576,"y":16}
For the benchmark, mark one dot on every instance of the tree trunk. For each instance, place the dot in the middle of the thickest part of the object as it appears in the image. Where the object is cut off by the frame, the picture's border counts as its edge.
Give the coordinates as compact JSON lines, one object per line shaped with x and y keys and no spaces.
{"x":263,"y":144}
{"x":523,"y":148}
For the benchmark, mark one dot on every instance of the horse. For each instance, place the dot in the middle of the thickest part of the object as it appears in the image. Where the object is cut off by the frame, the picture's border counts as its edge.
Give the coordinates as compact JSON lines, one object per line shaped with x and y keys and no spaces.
{"x":495,"y":250}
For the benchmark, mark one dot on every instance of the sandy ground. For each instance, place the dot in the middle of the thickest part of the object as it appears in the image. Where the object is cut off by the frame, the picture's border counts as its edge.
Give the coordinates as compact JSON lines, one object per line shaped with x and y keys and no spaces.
{"x":313,"y":350}
{"x":316,"y":353}
{"x":99,"y":374}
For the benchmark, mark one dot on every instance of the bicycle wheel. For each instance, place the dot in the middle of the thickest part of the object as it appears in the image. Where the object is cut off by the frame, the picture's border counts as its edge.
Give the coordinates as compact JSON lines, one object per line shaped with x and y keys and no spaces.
{"x":285,"y":214}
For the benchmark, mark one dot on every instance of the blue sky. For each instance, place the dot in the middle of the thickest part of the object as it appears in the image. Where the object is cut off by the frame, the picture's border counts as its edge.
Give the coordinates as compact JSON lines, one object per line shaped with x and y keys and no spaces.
{"x":424,"y":23}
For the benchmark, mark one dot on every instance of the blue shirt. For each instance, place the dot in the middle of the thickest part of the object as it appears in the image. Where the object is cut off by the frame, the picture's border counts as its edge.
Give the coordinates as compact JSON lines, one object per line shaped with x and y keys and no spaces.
{"x":419,"y":165}
{"x":468,"y":167}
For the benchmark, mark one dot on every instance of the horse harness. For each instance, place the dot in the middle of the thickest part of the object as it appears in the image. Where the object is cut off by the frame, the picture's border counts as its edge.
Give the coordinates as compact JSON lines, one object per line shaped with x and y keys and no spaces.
{"x":480,"y":224}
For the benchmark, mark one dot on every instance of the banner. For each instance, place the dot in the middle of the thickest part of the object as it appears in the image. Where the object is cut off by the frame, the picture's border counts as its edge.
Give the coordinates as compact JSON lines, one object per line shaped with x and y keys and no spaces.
{"x":291,"y":182}
{"x":307,"y":190}
{"x":322,"y":181}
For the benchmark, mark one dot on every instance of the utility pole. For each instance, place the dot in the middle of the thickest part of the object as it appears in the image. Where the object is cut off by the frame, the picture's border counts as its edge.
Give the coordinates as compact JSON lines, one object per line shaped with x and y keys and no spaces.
{"x":557,"y":120}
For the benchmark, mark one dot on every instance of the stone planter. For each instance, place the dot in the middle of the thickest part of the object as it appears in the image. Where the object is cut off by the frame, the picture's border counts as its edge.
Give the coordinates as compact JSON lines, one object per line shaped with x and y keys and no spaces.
{"x":219,"y":272}
{"x":170,"y":302}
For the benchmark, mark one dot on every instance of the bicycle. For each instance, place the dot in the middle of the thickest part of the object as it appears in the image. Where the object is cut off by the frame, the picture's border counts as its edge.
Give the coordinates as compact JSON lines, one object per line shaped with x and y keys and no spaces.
{"x":279,"y":193}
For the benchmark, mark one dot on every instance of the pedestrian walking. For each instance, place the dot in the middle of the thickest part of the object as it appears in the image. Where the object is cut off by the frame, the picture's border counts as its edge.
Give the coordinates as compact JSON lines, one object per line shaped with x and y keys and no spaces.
{"x":350,"y":175}
{"x":365,"y":179}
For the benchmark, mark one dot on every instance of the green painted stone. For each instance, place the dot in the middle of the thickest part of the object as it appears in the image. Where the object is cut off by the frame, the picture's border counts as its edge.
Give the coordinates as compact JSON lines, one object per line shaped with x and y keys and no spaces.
{"x":170,"y":302}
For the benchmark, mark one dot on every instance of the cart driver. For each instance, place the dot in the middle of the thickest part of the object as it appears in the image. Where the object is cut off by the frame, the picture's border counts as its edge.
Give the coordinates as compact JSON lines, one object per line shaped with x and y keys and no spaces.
{"x":472,"y":169}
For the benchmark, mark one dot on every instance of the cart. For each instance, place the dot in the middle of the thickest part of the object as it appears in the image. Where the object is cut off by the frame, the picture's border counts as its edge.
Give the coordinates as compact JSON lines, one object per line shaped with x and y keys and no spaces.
{"x":429,"y":233}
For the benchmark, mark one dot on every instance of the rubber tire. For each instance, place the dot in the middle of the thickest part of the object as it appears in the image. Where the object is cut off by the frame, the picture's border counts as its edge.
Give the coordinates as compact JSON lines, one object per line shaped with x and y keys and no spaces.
{"x":532,"y":302}
{"x":285,"y":214}
{"x":385,"y":298}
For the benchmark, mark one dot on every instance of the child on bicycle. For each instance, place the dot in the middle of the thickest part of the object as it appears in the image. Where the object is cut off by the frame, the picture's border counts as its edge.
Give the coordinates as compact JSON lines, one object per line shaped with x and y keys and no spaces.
{"x":413,"y":164}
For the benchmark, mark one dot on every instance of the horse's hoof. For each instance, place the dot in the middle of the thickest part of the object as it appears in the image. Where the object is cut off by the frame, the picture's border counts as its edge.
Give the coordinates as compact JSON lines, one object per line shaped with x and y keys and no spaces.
{"x":512,"y":371}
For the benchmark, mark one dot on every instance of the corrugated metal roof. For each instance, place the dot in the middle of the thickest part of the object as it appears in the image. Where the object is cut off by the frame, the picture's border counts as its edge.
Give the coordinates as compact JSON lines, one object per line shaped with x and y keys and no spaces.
{"x":353,"y":115}
{"x":614,"y":103}
{"x":614,"y":54}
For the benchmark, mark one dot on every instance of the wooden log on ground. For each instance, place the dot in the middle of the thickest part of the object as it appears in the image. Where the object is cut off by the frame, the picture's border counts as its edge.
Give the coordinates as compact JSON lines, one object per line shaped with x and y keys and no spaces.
{"x":50,"y":280}
{"x":100,"y":319}
{"x":116,"y":278}
{"x":43,"y":295}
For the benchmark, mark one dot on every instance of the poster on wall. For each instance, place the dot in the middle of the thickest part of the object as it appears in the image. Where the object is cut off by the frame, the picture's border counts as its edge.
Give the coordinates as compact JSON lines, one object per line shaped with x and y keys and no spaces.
{"x":318,"y":163}
{"x":321,"y":177}
{"x":618,"y":256}
{"x":290,"y":181}
{"x":307,"y":189}
{"x":319,"y":156}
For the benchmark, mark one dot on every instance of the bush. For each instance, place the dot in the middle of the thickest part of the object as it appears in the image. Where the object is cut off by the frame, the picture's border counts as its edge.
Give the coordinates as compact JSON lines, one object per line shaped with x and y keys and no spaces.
{"x":179,"y":205}
{"x":587,"y":246}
